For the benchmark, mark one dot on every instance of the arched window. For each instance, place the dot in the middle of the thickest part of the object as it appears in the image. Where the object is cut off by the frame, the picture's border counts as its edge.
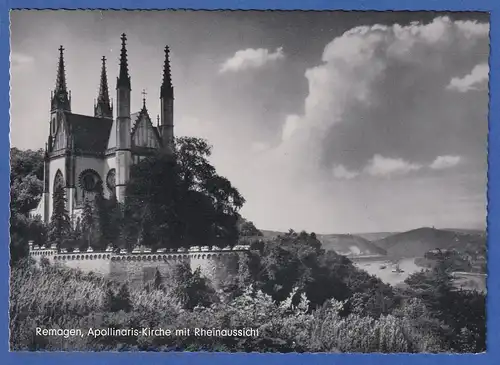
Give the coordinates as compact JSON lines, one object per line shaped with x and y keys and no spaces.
{"x":58,"y":184}
{"x":53,"y":126}
{"x":88,"y":181}
{"x":58,"y":180}
{"x":111,"y":180}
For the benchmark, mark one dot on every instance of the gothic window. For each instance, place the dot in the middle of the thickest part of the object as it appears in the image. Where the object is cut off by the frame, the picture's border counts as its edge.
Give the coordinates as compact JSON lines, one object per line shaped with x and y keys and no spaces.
{"x":88,"y":181}
{"x":58,"y":183}
{"x":58,"y":180}
{"x":53,"y":126}
{"x":60,"y":138}
{"x":111,"y":180}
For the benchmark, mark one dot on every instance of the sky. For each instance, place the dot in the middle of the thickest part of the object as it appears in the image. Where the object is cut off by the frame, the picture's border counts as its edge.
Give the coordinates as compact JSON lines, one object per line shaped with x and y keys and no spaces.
{"x":332,"y":122}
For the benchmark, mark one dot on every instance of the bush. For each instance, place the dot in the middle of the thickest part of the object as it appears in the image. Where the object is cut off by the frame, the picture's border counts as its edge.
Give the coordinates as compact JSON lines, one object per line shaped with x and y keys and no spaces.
{"x":408,"y":321}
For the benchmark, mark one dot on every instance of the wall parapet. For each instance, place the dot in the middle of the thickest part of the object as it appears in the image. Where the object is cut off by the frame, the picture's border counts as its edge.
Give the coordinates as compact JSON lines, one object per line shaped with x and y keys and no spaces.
{"x":137,"y":254}
{"x":139,"y":265}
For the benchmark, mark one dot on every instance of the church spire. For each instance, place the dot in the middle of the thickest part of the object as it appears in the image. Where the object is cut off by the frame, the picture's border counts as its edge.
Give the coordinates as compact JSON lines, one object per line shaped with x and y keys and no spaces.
{"x":60,"y":99}
{"x":167,"y":90}
{"x":123,"y":78}
{"x":144,"y":93}
{"x":166,"y":127}
{"x":103,"y":108}
{"x":61,"y":74}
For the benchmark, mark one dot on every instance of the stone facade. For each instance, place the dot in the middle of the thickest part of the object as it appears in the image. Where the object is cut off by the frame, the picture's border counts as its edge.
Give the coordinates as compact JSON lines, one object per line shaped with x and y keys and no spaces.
{"x":139,"y":266}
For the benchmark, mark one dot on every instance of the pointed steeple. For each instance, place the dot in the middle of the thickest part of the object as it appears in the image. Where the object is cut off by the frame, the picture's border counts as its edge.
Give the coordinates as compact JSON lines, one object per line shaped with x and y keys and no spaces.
{"x":123,"y":80}
{"x":103,"y":108}
{"x":61,"y":74}
{"x":144,"y":93}
{"x":60,"y":99}
{"x":167,"y":90}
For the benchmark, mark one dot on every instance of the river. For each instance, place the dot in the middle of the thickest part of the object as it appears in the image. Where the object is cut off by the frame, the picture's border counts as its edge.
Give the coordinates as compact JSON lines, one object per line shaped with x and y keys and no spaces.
{"x":374,"y":267}
{"x":386,"y":275}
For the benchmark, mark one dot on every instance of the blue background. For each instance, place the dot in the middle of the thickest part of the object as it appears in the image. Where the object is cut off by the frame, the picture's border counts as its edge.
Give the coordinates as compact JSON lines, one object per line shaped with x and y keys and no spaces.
{"x":493,"y":305}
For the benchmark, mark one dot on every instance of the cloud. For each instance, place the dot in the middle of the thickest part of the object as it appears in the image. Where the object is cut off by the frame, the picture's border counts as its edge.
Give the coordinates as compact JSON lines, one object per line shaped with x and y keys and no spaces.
{"x":340,"y":172}
{"x":445,"y":162}
{"x":475,"y":80}
{"x":378,"y":91}
{"x":290,"y":126}
{"x":259,"y":147}
{"x":380,"y":166}
{"x":251,"y":58}
{"x":385,"y":166}
{"x":19,"y":60}
{"x":376,"y":108}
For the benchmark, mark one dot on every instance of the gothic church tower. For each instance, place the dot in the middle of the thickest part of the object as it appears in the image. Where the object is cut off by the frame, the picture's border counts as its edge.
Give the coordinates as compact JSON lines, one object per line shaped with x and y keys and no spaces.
{"x":85,"y":153}
{"x":123,"y":139}
{"x":166,"y":127}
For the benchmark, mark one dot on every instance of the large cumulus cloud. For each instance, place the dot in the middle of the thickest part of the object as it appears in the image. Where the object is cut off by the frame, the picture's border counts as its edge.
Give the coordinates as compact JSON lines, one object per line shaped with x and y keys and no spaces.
{"x":384,"y":91}
{"x":382,"y":131}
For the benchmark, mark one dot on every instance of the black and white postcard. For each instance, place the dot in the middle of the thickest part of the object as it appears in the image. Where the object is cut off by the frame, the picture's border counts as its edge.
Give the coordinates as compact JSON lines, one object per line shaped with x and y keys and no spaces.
{"x":248,"y":181}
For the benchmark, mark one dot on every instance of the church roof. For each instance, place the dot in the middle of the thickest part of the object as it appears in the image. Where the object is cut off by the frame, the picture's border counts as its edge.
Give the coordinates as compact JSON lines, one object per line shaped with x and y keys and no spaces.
{"x":90,"y":134}
{"x":135,"y":118}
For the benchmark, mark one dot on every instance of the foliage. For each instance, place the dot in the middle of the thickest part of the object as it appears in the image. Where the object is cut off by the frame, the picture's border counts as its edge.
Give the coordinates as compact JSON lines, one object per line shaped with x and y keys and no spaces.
{"x":191,"y":289}
{"x":248,"y":229}
{"x":26,"y":189}
{"x":60,"y":224}
{"x":462,"y":311}
{"x":298,"y":296}
{"x":64,"y":298}
{"x":120,"y":301}
{"x":181,"y":200}
{"x":294,"y":260}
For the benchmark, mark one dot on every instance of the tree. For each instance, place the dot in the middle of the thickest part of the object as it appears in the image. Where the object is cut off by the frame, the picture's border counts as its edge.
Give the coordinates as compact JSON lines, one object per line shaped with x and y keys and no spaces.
{"x":457,"y":309}
{"x":158,"y":280}
{"x":26,"y":189}
{"x":60,"y":224}
{"x":296,"y":260}
{"x":180,"y":200}
{"x":101,"y":219}
{"x":22,"y":230}
{"x":114,"y":227}
{"x":435,"y":288}
{"x":191,"y":289}
{"x":248,"y":229}
{"x":117,"y":302}
{"x":76,"y":236}
{"x":89,"y":224}
{"x":24,"y":163}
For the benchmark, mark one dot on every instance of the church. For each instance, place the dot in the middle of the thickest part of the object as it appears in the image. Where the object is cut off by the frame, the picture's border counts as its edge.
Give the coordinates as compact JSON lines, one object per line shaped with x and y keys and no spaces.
{"x":83,"y":150}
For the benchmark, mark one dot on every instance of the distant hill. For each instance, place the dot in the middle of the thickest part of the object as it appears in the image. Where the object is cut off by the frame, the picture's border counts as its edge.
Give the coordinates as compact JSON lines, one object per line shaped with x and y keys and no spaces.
{"x":375,"y":236}
{"x":465,"y":230}
{"x":347,"y":244}
{"x":271,"y":234}
{"x":343,"y":244}
{"x":417,"y":242}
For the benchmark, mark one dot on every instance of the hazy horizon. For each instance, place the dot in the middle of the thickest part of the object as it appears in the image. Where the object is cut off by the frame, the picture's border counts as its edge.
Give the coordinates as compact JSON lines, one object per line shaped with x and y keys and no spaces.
{"x":478,"y":229}
{"x":325,"y":121}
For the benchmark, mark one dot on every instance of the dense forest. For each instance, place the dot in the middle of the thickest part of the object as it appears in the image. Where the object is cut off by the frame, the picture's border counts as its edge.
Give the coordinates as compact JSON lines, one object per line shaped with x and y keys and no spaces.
{"x":300,"y":297}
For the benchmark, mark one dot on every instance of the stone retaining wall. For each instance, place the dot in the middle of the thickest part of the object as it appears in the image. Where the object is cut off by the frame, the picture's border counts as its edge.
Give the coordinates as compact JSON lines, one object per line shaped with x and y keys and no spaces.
{"x":140,"y":267}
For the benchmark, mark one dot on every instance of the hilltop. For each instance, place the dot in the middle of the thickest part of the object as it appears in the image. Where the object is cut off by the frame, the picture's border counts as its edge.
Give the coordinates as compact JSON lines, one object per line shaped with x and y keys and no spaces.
{"x":417,"y":242}
{"x":348,"y":244}
{"x":375,"y":236}
{"x":413,"y":243}
{"x":343,"y":244}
